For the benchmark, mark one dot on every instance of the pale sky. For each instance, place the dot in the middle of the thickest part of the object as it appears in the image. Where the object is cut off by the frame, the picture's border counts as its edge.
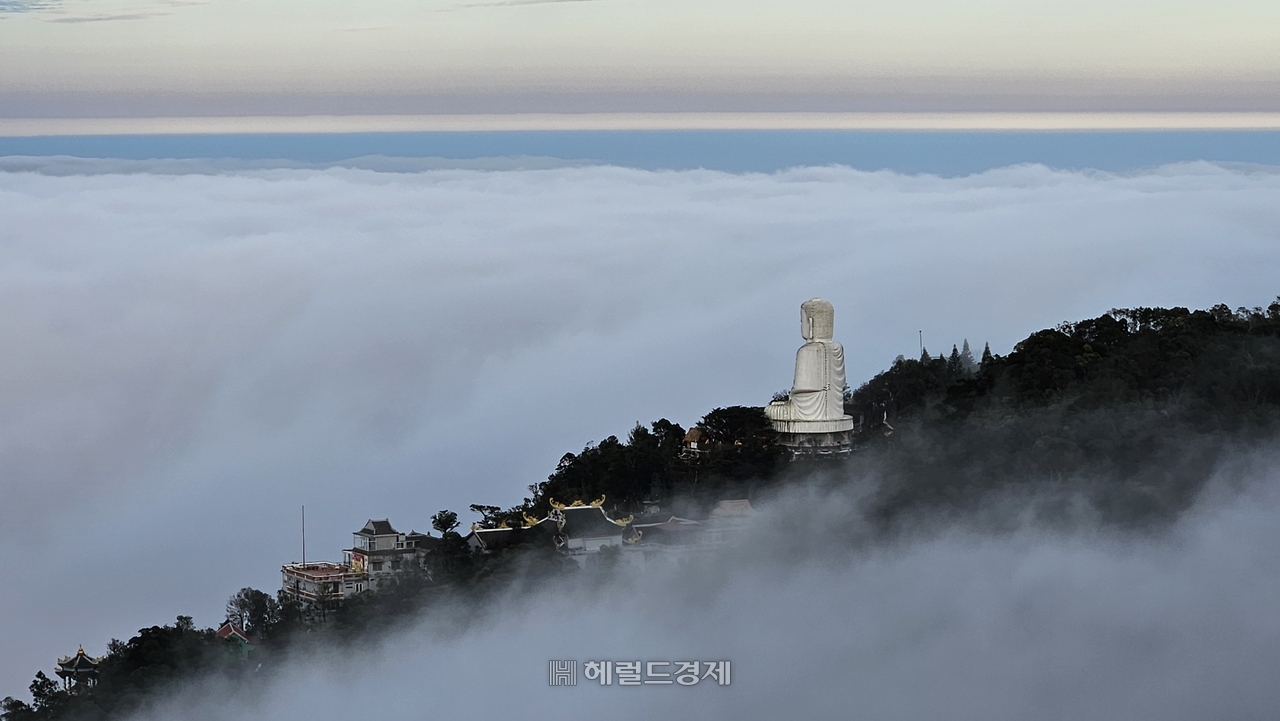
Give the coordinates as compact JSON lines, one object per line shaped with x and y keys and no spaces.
{"x":218,"y":57}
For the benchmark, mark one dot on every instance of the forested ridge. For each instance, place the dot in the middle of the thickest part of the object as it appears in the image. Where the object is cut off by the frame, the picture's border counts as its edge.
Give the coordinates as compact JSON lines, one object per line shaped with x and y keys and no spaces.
{"x":1129,"y":413}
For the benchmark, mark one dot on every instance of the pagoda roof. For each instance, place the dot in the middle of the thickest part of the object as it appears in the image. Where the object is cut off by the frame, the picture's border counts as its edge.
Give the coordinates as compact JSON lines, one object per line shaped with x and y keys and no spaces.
{"x":375,"y":527}
{"x":422,"y":540}
{"x":78,"y":663}
{"x":494,"y":538}
{"x":491,"y":538}
{"x":589,"y":522}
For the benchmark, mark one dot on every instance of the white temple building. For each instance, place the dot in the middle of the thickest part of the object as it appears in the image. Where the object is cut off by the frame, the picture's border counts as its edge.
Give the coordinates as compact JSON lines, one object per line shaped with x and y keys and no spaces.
{"x":811,"y":421}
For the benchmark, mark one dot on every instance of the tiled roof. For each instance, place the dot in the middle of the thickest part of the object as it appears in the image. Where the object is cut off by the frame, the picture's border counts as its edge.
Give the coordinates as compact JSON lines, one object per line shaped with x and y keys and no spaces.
{"x":229,"y":629}
{"x":378,"y":528}
{"x":494,"y":538}
{"x":588,"y":522}
{"x":81,"y":661}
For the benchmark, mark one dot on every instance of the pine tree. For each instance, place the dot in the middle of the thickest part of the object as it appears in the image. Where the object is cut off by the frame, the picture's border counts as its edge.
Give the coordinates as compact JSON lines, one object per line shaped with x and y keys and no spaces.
{"x":966,"y":358}
{"x":954,"y":366}
{"x":986,"y":354}
{"x":924,"y":355}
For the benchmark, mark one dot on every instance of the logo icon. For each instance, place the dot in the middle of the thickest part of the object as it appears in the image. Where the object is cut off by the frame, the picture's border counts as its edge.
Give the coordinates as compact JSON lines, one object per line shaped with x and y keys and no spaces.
{"x":562,"y":673}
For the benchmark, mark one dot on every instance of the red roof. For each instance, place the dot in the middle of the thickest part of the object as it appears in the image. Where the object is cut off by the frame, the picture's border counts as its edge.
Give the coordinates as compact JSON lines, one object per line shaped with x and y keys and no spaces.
{"x":229,"y":629}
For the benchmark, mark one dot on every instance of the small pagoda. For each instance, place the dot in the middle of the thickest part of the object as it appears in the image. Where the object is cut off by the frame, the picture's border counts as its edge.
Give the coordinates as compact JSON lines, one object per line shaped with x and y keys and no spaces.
{"x":78,"y":671}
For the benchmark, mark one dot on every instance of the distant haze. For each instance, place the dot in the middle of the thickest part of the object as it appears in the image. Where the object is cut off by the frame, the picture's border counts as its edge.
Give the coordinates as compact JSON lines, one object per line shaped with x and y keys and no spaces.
{"x":290,"y":57}
{"x":190,"y":354}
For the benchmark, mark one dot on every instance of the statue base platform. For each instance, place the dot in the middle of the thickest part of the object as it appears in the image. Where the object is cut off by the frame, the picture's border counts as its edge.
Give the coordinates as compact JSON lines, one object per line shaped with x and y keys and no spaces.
{"x":815,"y":439}
{"x":817,"y":445}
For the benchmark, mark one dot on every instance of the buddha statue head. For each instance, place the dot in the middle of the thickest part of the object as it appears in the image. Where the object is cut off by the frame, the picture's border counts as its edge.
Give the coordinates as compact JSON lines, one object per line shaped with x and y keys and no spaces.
{"x":817,"y":320}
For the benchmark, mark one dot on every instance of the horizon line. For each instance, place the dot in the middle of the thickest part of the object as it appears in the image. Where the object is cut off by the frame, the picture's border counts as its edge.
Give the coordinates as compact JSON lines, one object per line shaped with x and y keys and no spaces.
{"x":944,"y":120}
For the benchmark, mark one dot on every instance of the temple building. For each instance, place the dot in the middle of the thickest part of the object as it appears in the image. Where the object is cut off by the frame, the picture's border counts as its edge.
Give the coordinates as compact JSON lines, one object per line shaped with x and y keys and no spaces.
{"x":587,"y":528}
{"x":490,"y":540}
{"x":78,"y":671}
{"x":577,"y":529}
{"x":811,"y":421}
{"x":378,"y":551}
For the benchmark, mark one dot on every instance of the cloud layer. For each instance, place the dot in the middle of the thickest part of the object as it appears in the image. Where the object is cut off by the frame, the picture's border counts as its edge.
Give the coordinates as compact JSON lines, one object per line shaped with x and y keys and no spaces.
{"x":189,"y":358}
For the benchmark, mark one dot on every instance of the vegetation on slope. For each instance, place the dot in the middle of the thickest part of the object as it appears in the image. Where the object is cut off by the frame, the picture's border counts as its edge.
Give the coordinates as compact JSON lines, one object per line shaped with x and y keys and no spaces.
{"x":1133,"y":410}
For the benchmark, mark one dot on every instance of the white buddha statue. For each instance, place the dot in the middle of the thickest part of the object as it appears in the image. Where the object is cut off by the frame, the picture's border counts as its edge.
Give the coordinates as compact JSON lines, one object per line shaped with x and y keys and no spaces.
{"x":816,"y":403}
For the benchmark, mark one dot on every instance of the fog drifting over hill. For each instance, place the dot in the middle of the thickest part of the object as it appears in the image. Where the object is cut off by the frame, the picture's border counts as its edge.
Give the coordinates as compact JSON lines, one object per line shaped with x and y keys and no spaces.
{"x":819,"y":620}
{"x":188,"y":358}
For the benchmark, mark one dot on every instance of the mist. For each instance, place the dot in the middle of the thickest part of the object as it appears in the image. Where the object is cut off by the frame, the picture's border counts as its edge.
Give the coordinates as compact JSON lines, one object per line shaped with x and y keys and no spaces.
{"x":191,"y":357}
{"x":821,"y":615}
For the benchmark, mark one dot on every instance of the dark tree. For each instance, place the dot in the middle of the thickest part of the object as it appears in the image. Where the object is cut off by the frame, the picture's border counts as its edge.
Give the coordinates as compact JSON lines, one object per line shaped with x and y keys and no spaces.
{"x":444,"y":521}
{"x":11,"y":709}
{"x":252,"y":610}
{"x":966,"y":358}
{"x":955,"y":365}
{"x":737,"y":425}
{"x":453,"y":561}
{"x":490,"y":516}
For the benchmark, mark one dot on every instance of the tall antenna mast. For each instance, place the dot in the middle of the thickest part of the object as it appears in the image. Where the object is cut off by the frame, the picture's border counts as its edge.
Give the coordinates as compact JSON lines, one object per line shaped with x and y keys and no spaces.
{"x":922,"y":342}
{"x":304,"y":536}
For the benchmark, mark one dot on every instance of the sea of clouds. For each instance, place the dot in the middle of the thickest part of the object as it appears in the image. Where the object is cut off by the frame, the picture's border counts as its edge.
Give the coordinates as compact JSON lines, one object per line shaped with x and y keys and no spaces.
{"x":190,"y":354}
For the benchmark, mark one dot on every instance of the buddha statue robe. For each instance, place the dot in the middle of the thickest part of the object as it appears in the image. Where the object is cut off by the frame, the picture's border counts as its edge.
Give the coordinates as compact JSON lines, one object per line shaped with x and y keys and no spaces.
{"x":816,"y":402}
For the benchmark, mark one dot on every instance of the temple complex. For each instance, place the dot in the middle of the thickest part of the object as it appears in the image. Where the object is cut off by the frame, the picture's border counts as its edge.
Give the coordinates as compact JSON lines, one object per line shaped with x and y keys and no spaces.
{"x":576,"y":529}
{"x":811,"y":421}
{"x":579,"y":530}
